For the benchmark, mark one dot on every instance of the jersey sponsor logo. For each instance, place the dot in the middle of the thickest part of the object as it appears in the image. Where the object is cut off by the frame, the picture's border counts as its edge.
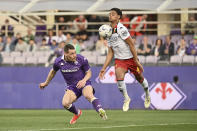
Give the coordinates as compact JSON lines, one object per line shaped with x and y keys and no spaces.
{"x":114,"y":38}
{"x":110,"y":77}
{"x":165,"y":96}
{"x":124,"y":33}
{"x":70,"y":70}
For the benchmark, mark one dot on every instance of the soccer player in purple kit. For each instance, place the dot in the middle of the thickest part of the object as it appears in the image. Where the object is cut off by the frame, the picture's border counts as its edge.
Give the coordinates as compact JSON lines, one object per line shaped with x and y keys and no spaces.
{"x":77,"y":73}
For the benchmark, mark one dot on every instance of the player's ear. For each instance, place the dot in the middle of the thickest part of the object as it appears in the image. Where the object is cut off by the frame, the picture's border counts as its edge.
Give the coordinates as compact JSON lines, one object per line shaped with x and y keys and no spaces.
{"x":118,"y":16}
{"x":65,"y":53}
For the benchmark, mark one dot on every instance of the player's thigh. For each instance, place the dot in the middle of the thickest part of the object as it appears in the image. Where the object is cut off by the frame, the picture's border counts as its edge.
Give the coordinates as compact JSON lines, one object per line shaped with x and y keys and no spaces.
{"x":68,"y":98}
{"x":137,"y":73}
{"x":139,"y":77}
{"x":120,"y":73}
{"x":88,"y":92}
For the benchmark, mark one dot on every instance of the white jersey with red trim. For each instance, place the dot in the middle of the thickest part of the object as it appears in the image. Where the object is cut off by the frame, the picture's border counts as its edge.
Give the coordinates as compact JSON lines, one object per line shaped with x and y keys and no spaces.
{"x":117,"y":42}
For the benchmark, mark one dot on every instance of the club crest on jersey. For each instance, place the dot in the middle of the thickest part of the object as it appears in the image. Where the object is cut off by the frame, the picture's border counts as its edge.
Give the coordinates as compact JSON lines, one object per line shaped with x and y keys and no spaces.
{"x":62,"y":64}
{"x":76,"y":62}
{"x":124,"y":33}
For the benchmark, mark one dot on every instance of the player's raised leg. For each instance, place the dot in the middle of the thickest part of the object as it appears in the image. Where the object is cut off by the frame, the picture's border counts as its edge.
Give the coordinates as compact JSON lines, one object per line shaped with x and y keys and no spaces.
{"x":120,"y":74}
{"x":140,"y":78}
{"x":88,"y":94}
{"x":67,"y":101}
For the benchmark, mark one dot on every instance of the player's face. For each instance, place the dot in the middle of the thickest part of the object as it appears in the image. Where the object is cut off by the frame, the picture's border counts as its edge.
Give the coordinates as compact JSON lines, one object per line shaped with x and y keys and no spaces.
{"x":71,"y":55}
{"x":113,"y":16}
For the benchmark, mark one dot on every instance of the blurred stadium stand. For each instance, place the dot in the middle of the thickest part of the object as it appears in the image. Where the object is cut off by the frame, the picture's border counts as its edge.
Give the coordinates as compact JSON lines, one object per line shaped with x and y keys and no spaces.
{"x":165,"y":17}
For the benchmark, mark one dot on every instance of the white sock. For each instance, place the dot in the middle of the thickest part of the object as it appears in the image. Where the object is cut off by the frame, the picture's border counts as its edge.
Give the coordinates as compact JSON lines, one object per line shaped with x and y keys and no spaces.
{"x":145,"y":85}
{"x":93,"y":99}
{"x":69,"y":106}
{"x":122,"y":88}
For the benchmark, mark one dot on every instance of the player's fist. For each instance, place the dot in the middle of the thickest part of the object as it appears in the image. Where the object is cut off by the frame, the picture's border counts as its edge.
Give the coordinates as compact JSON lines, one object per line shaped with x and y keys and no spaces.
{"x":81,"y":84}
{"x":101,"y":74}
{"x":139,"y":65}
{"x":43,"y":85}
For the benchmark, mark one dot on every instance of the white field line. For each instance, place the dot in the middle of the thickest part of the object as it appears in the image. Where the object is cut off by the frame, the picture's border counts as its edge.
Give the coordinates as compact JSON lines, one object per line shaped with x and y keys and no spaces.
{"x":105,"y":127}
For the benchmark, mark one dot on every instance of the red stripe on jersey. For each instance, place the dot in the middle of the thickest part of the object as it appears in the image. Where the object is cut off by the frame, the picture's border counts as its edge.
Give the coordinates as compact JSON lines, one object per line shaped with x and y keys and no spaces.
{"x":127,"y":38}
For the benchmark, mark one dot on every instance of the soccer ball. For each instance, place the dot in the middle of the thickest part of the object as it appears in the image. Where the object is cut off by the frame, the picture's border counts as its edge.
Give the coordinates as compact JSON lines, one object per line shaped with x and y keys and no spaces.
{"x":105,"y":31}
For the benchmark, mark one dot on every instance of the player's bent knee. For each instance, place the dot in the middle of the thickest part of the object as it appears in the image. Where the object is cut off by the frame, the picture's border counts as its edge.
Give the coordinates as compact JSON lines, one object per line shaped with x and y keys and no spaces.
{"x":66,"y":104}
{"x":89,"y":97}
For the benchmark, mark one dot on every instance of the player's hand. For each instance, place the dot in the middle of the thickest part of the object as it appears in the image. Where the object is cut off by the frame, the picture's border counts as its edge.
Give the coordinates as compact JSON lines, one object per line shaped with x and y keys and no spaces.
{"x":139,"y":65}
{"x":81,"y":84}
{"x":43,"y":85}
{"x":101,"y":74}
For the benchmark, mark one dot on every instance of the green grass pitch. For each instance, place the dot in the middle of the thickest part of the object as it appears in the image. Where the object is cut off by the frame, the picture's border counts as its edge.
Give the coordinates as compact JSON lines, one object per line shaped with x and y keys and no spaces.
{"x":133,"y":120}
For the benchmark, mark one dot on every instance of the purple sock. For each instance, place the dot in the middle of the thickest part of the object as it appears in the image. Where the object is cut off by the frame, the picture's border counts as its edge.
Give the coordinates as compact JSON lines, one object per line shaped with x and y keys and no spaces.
{"x":73,"y":109}
{"x":96,"y":104}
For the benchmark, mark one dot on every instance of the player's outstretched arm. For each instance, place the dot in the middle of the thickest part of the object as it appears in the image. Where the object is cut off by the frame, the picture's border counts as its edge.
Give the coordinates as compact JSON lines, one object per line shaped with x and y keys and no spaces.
{"x":107,"y":62}
{"x":134,"y":53}
{"x":49,"y":78}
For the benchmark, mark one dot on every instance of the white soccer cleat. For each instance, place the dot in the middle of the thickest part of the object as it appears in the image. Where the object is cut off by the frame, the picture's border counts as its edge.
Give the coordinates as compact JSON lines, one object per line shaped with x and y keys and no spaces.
{"x":126,"y":104}
{"x":103,"y":114}
{"x":147,"y":101}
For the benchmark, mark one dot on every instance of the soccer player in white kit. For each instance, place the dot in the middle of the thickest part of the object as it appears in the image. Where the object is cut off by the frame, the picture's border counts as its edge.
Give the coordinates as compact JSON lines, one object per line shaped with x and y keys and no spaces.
{"x":122,"y":48}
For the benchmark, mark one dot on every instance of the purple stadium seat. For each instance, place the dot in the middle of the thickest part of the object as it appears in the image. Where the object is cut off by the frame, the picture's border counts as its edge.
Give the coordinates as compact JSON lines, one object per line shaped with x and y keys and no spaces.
{"x":6,"y":54}
{"x":19,"y":60}
{"x":42,"y":59}
{"x":142,"y":59}
{"x":188,"y":59}
{"x":176,"y":59}
{"x":151,"y":59}
{"x":8,"y":60}
{"x":27,"y":54}
{"x":31,"y":60}
{"x":15,"y":54}
{"x":101,"y":60}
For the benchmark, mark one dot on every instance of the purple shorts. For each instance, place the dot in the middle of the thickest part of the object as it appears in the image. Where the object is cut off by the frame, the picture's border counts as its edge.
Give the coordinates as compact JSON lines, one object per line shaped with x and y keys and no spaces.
{"x":78,"y":92}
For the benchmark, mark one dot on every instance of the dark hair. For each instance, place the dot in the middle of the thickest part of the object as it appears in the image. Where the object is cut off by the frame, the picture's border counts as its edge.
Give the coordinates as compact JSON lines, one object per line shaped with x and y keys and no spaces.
{"x":158,"y":40}
{"x":20,"y":38}
{"x":169,"y":36}
{"x":44,"y":39}
{"x":118,"y":11}
{"x":68,"y":47}
{"x":176,"y":79}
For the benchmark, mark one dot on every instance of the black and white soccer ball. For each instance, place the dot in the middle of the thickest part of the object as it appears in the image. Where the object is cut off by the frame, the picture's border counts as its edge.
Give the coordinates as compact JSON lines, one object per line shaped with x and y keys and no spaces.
{"x":105,"y":31}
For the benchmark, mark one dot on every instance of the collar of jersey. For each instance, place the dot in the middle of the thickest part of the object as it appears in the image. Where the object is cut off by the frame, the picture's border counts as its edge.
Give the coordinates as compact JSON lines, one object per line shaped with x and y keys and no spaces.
{"x":63,"y":58}
{"x":115,"y":28}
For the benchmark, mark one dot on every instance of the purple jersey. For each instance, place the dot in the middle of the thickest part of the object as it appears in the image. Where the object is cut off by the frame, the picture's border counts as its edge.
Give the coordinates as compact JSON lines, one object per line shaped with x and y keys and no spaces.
{"x":72,"y":72}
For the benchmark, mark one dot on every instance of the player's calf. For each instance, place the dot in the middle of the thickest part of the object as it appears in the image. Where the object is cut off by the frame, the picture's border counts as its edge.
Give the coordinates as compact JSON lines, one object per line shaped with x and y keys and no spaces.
{"x":98,"y":107}
{"x":73,"y":109}
{"x":147,"y":100}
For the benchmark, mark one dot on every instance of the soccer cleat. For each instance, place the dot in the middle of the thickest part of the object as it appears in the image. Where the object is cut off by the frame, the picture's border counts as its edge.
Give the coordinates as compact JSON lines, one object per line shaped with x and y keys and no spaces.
{"x":147,"y":101}
{"x":75,"y":117}
{"x":126,"y":104}
{"x":102,"y":113}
